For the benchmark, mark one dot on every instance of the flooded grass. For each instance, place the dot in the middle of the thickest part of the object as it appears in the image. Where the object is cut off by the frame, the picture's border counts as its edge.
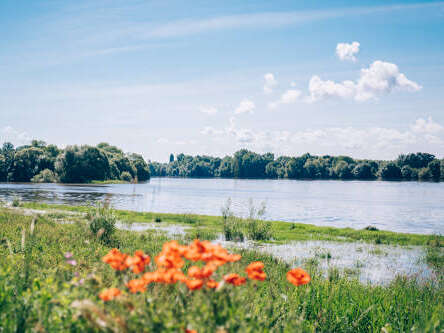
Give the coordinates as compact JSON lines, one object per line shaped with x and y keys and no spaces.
{"x":39,"y":288}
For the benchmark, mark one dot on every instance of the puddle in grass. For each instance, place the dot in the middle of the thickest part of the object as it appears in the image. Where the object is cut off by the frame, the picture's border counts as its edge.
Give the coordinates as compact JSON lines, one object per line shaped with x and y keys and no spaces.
{"x":170,"y":230}
{"x":375,"y":264}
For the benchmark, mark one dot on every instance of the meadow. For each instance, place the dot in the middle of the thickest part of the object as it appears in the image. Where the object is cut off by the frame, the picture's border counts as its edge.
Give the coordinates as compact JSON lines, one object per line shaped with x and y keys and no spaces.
{"x":52,"y":273}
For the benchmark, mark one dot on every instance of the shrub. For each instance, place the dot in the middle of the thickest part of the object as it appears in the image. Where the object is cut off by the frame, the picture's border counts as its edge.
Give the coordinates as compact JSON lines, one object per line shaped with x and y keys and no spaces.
{"x":102,"y":222}
{"x":157,"y":219}
{"x":16,"y":202}
{"x":45,"y":176}
{"x":126,"y":176}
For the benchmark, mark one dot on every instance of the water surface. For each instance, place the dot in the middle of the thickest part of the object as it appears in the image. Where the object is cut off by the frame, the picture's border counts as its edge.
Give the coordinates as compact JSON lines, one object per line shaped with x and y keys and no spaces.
{"x":415,"y":207}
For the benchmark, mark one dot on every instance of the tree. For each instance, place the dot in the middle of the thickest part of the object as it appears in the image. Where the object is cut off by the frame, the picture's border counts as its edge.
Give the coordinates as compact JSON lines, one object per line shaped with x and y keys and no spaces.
{"x":27,"y":163}
{"x":363,"y":171}
{"x":171,"y":158}
{"x":342,"y":170}
{"x":390,"y":171}
{"x":435,"y":170}
{"x":79,"y":165}
{"x":142,"y":169}
{"x":418,"y":160}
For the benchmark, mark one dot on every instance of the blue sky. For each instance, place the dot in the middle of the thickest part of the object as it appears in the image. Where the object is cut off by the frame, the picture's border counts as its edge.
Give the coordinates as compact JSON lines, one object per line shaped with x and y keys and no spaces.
{"x":361,"y":78}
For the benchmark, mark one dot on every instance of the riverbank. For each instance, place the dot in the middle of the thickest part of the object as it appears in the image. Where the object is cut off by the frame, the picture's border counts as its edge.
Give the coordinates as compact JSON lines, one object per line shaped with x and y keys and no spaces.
{"x":52,"y":274}
{"x":283,"y":231}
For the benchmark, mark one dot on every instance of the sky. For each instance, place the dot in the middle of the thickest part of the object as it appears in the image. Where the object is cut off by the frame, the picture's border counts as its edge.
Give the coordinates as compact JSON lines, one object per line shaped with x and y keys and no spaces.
{"x":357,"y":78}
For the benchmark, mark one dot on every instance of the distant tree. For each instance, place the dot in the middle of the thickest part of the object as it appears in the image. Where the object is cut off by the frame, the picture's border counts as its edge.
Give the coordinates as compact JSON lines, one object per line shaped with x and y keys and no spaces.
{"x":79,"y":165}
{"x":27,"y":163}
{"x":142,"y":169}
{"x":418,"y":160}
{"x":363,"y":171}
{"x":391,"y":171}
{"x":124,"y":164}
{"x":342,"y":170}
{"x":126,"y":176}
{"x":424,"y":174}
{"x":408,"y":173}
{"x":435,"y":170}
{"x":45,"y":176}
{"x":3,"y":169}
{"x":171,"y":158}
{"x":8,"y":153}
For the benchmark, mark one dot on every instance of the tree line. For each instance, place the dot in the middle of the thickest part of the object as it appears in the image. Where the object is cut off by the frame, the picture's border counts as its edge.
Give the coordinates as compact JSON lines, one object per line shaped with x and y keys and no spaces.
{"x":40,"y":162}
{"x":248,"y":164}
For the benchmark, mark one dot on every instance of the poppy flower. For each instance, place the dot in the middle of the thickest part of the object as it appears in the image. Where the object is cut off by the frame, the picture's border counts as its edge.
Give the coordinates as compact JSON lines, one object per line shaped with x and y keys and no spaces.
{"x":298,"y":277}
{"x":115,"y":259}
{"x":136,"y":285}
{"x":195,"y":272}
{"x":255,"y":271}
{"x":194,"y":284}
{"x":234,"y":279}
{"x":212,"y":284}
{"x":138,"y":261}
{"x":109,"y":294}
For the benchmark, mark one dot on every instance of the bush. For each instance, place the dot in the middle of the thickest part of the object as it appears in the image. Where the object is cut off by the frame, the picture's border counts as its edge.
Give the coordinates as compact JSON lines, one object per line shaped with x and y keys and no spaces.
{"x":102,"y":222}
{"x":126,"y":176}
{"x":16,"y":202}
{"x":254,"y":228}
{"x":45,"y":176}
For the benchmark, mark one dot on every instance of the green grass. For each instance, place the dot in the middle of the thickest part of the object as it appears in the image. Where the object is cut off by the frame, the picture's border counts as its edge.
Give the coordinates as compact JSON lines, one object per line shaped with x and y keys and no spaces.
{"x":109,"y":181}
{"x":40,"y":292}
{"x":282,"y":231}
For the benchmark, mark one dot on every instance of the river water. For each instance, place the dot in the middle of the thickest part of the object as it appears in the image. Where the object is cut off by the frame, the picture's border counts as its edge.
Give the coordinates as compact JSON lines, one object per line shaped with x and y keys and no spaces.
{"x":414,"y":207}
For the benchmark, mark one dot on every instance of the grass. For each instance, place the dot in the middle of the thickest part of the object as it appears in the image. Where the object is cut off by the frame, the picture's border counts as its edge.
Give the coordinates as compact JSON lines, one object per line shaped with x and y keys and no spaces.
{"x":40,"y":291}
{"x":282,"y":231}
{"x":109,"y":181}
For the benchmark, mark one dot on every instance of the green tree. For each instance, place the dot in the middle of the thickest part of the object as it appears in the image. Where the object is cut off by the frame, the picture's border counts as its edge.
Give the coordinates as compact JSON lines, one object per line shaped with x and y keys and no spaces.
{"x":391,"y":171}
{"x":435,"y":170}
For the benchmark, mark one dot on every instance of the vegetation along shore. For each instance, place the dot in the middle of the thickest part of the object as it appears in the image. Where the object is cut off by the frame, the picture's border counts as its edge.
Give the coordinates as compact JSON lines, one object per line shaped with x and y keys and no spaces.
{"x":104,"y":163}
{"x":59,"y":272}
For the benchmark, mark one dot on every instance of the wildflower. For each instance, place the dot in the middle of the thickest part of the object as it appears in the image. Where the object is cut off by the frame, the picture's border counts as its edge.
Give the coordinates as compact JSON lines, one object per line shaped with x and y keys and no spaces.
{"x":212,"y":284}
{"x":68,"y":255}
{"x":234,"y":279}
{"x":255,"y":271}
{"x":298,"y":277}
{"x":109,"y":294}
{"x":195,"y":272}
{"x":138,"y":261}
{"x":194,"y":284}
{"x":71,"y":262}
{"x":190,"y":331}
{"x":136,"y":285}
{"x":115,"y":259}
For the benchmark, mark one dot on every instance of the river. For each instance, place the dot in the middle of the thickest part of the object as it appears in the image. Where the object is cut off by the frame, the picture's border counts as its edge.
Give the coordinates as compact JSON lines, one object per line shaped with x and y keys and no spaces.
{"x":414,"y":207}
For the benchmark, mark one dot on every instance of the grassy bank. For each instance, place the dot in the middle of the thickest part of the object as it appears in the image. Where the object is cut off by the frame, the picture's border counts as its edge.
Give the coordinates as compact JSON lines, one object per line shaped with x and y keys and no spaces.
{"x":282,"y":231}
{"x":41,"y":291}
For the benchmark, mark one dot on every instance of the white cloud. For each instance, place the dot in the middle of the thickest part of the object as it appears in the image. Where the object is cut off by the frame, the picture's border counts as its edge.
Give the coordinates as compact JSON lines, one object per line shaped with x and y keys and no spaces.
{"x":162,"y":140}
{"x":270,"y":82}
{"x":208,"y":110}
{"x":370,"y":142}
{"x":16,"y":137}
{"x":427,"y":126}
{"x":346,"y":51}
{"x":378,"y":79}
{"x":208,"y":130}
{"x":245,"y":106}
{"x":288,"y":97}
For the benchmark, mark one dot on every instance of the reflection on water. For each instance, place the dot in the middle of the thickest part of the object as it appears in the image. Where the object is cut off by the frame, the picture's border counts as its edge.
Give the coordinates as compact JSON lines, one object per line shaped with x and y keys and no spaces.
{"x":376,"y":264}
{"x":399,"y":206}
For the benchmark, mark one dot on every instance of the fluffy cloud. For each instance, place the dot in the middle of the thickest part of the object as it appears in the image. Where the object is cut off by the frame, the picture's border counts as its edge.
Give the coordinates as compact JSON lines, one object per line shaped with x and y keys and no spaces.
{"x":162,"y":140}
{"x":16,"y":137}
{"x":270,"y":82}
{"x":245,"y":106}
{"x":378,"y":79}
{"x":208,"y":130}
{"x":346,"y":51}
{"x":427,"y":126}
{"x":371,"y":142}
{"x":208,"y":110}
{"x":288,"y":97}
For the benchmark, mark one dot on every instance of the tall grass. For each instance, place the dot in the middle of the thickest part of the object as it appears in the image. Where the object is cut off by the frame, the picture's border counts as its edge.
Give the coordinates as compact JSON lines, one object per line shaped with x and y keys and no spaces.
{"x":102,"y":222}
{"x":253,"y":227}
{"x":40,"y":292}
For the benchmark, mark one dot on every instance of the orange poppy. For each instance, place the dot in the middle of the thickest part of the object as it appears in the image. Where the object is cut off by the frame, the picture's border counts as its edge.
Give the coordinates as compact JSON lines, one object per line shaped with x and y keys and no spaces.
{"x":136,"y":285}
{"x":138,"y":261}
{"x":298,"y":277}
{"x":234,"y":279}
{"x":212,"y":284}
{"x":194,"y":284}
{"x":255,"y":271}
{"x":115,"y":259}
{"x":109,"y":294}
